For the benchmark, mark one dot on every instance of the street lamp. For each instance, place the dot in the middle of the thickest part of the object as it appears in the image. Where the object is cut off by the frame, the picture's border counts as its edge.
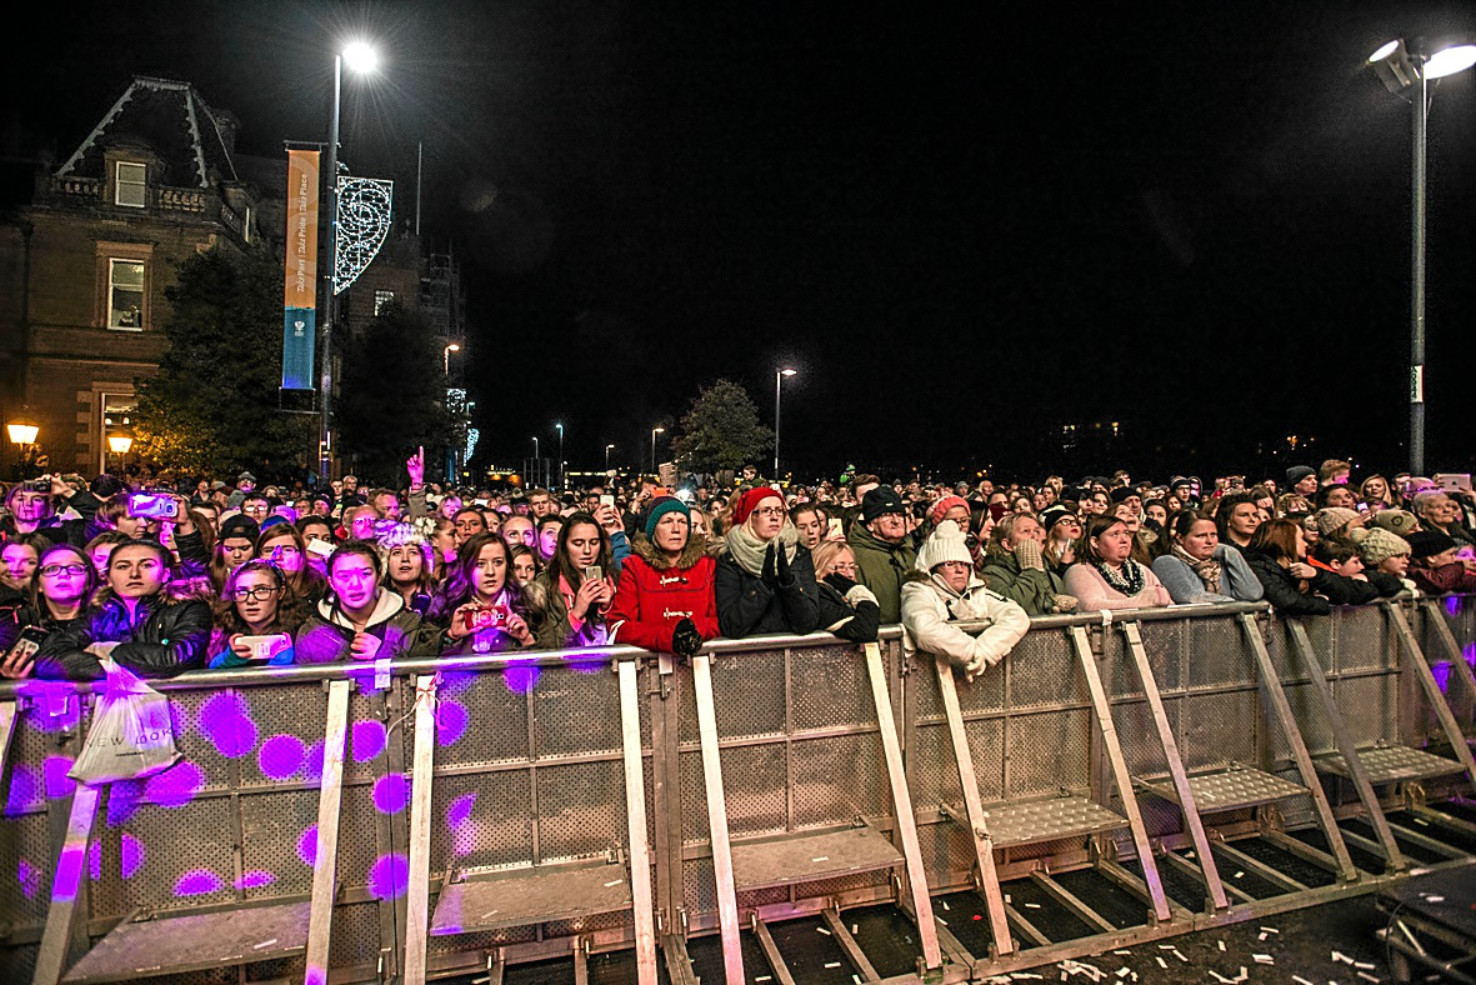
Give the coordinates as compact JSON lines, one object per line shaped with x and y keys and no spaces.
{"x":654,"y":433}
{"x":362,"y":59}
{"x":446,"y":357}
{"x":120,"y":445}
{"x":561,"y":454}
{"x":778,"y":385}
{"x":608,"y":448}
{"x":1400,"y":69}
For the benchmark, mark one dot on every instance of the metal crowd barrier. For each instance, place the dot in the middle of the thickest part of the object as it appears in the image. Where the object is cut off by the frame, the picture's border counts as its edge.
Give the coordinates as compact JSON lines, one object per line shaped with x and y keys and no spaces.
{"x":767,"y":812}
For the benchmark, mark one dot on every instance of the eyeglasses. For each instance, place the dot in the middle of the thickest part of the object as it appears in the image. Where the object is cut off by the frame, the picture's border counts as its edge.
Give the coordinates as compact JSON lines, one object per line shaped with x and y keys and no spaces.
{"x":288,"y":551}
{"x":259,"y":594}
{"x":52,"y":570}
{"x":768,"y":511}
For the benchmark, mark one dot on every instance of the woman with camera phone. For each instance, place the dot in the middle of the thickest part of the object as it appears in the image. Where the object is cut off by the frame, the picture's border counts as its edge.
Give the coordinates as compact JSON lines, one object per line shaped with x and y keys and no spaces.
{"x":255,"y":617}
{"x":569,"y":601}
{"x":481,"y":605}
{"x":57,"y":598}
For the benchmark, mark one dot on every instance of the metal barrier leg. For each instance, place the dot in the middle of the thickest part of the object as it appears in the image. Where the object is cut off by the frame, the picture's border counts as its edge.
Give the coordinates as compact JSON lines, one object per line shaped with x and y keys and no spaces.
{"x":417,"y":895}
{"x":635,"y":813}
{"x":325,"y":863}
{"x":717,"y":819}
{"x":1393,"y":857}
{"x":922,"y":903}
{"x":1177,"y":773}
{"x":1124,"y":781}
{"x":974,"y":813}
{"x":1305,"y":768}
{"x":1448,"y":640}
{"x":66,"y":884}
{"x":1416,"y":658}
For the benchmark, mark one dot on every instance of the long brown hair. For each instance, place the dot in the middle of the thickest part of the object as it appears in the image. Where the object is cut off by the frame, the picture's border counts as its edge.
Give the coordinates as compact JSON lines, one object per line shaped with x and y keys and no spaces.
{"x":1278,"y":539}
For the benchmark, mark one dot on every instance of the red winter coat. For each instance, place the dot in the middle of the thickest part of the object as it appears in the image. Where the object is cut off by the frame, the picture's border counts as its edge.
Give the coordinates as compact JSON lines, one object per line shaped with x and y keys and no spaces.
{"x":654,"y":595}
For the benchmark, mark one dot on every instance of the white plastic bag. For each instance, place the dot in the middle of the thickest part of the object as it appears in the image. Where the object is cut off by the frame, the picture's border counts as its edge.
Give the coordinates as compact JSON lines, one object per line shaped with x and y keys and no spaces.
{"x":131,"y":734}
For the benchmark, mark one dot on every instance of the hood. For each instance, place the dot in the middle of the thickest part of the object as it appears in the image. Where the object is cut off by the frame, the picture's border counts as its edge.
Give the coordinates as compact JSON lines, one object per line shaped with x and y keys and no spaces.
{"x":388,"y":606}
{"x":695,"y":550}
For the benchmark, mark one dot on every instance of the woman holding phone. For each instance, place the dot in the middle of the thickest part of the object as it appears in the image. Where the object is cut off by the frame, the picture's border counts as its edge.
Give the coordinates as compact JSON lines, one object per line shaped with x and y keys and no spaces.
{"x":255,"y":618}
{"x":64,"y":583}
{"x":569,"y":601}
{"x":481,"y":608}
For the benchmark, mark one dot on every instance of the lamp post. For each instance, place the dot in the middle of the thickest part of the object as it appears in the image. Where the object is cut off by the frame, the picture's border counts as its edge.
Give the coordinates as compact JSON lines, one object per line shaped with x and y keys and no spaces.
{"x":446,"y":358}
{"x":561,"y":454}
{"x":1400,"y":69}
{"x":654,"y":433}
{"x":608,"y":448}
{"x":362,"y":59}
{"x":23,"y":435}
{"x":120,"y":445}
{"x":778,"y":386}
{"x":537,"y":461}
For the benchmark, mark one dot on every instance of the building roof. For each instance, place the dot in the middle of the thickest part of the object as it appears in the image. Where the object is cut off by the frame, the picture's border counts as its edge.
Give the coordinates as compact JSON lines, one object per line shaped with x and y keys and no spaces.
{"x":174,"y":121}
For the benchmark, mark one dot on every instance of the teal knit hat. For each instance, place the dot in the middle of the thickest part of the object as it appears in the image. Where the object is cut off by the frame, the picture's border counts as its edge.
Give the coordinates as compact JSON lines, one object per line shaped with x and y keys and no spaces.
{"x":662,"y":505}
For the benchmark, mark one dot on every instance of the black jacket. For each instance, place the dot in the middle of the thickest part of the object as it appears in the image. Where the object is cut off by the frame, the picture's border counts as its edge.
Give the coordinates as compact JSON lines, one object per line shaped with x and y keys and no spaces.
{"x":747,"y":607}
{"x":1283,"y":593}
{"x":164,"y":638}
{"x":858,"y":623}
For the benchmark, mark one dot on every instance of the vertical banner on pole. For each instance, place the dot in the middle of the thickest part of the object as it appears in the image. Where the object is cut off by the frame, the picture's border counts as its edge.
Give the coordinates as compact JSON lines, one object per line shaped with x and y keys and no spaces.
{"x":300,"y":317}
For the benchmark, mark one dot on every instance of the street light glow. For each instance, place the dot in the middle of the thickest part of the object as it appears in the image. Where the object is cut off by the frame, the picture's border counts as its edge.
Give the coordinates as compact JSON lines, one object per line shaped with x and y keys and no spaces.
{"x":1449,"y":61}
{"x":1384,"y":52}
{"x":788,"y":372}
{"x":361,"y":57}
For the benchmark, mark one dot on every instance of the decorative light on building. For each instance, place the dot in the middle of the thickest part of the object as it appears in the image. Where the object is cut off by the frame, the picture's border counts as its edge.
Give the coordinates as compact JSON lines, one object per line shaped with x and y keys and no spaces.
{"x":365,"y":207}
{"x":472,"y":434}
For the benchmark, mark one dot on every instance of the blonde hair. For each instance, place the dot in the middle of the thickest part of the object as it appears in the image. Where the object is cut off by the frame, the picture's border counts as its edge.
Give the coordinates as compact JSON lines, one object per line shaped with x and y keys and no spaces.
{"x":826,"y":552}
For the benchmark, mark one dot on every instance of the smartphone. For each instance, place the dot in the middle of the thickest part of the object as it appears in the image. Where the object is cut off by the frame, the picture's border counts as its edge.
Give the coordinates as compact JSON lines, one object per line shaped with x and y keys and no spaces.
{"x":267,"y":647}
{"x":1454,"y":481}
{"x":493,"y":618}
{"x":607,"y":500}
{"x":593,"y":572}
{"x":23,"y":651}
{"x":320,"y":548}
{"x":837,"y":527}
{"x":153,"y":507}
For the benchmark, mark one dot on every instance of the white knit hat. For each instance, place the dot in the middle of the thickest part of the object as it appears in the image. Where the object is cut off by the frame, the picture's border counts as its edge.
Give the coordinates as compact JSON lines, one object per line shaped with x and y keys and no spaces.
{"x":945,"y":544}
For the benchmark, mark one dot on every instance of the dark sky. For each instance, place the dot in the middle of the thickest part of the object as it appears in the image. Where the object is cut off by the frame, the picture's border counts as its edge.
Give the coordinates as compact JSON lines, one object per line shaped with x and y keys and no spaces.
{"x":964,"y":228}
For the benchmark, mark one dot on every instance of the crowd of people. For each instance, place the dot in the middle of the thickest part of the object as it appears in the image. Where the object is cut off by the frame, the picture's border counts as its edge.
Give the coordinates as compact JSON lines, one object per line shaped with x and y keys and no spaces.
{"x":163,"y":579}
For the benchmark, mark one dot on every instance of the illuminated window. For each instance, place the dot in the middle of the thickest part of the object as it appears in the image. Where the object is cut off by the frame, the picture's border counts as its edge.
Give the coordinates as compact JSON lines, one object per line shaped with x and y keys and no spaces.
{"x":125,"y":294}
{"x":130,"y":185}
{"x":382,"y":300}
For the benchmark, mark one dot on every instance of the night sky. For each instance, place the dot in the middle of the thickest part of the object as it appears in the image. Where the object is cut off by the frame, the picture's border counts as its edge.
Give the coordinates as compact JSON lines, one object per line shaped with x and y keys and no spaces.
{"x":964,"y":228}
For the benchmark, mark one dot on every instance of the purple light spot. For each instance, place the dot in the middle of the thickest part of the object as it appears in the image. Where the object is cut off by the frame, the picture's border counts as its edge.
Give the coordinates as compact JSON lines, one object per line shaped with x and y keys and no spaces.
{"x":131,"y":855}
{"x":123,"y":801}
{"x":458,"y":812}
{"x":197,"y":882}
{"x":232,"y":737}
{"x":456,"y":681}
{"x":1442,"y":676}
{"x":521,"y":678}
{"x":179,"y":719}
{"x":314,"y":762}
{"x":29,"y":877}
{"x":1471,"y":654}
{"x":255,"y":879}
{"x":280,"y":756}
{"x":315,"y":976}
{"x":307,"y":846}
{"x":59,"y":708}
{"x":68,"y":875}
{"x":1453,"y":605}
{"x":94,"y":861}
{"x":222,"y":705}
{"x":25,"y":790}
{"x":367,"y":740}
{"x":391,"y":793}
{"x":58,"y":784}
{"x":176,"y":786}
{"x":451,"y":722}
{"x":389,"y":876}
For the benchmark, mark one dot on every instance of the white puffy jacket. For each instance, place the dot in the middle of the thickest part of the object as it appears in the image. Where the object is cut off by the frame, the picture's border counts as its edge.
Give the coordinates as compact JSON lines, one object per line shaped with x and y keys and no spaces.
{"x":930,"y":614}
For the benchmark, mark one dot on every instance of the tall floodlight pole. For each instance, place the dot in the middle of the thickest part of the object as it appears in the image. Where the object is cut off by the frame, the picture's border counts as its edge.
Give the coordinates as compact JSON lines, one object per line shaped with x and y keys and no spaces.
{"x":560,"y":428}
{"x":778,"y":386}
{"x":654,"y":433}
{"x":607,"y":457}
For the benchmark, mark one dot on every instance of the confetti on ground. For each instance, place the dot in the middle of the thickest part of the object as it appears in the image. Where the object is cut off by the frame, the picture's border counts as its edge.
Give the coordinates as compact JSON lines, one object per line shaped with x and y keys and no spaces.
{"x":258,"y":947}
{"x":1300,"y":980}
{"x":1340,"y":956}
{"x":823,"y":930}
{"x":832,"y":964}
{"x":1263,"y":959}
{"x":764,"y":978}
{"x":856,"y":979}
{"x":1260,"y":937}
{"x":1269,"y":930}
{"x":1033,"y":906}
{"x":1178,"y":954}
{"x":942,"y":921}
{"x":855,"y":928}
{"x":1368,"y":978}
{"x":1239,"y":875}
{"x":1161,"y":963}
{"x":1432,"y":899}
{"x":821,"y":858}
{"x":1222,"y":945}
{"x":1365,"y":965}
{"x":1122,"y":952}
{"x":1123,"y":972}
{"x":945,"y":904}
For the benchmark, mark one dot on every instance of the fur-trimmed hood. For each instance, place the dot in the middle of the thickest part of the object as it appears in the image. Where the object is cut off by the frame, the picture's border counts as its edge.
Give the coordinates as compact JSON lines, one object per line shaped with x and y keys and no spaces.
{"x":695,"y":550}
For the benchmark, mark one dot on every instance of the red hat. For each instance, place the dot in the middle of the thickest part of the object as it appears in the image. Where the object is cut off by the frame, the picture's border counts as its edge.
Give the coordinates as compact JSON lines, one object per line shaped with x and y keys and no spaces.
{"x":942,"y":506}
{"x":751,"y":499}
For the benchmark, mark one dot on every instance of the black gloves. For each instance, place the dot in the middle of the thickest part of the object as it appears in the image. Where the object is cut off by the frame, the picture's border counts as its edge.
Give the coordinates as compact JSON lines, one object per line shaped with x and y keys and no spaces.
{"x":685,"y":640}
{"x":781,"y":569}
{"x":839,"y":582}
{"x":769,"y":575}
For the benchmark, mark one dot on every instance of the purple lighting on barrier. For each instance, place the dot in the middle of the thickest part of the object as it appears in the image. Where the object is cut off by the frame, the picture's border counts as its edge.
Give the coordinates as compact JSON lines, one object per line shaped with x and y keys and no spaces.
{"x":1453,"y":605}
{"x":521,"y":678}
{"x":281,"y":756}
{"x":255,"y":879}
{"x":307,"y":846}
{"x":131,"y":856}
{"x":25,"y":789}
{"x":451,"y":721}
{"x":1441,"y":671}
{"x":176,"y":786}
{"x":226,"y":721}
{"x":459,"y":822}
{"x":391,"y":793}
{"x":68,"y":875}
{"x":313,"y":762}
{"x":94,"y":861}
{"x":456,"y":681}
{"x":389,"y":876}
{"x":58,"y":784}
{"x":59,"y":708}
{"x":29,"y":877}
{"x":1471,"y":654}
{"x":179,"y":719}
{"x":315,"y":976}
{"x":198,"y":882}
{"x":367,"y":740}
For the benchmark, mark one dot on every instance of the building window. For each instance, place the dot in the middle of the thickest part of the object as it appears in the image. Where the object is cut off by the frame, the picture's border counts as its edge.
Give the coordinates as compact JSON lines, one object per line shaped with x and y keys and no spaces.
{"x":125,"y":294}
{"x":130,"y":185}
{"x":382,"y":300}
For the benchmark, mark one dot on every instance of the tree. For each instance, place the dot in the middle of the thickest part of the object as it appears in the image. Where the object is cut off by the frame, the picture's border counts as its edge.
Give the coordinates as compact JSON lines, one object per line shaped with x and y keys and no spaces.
{"x":721,"y":430}
{"x":392,"y":393}
{"x":212,"y":409}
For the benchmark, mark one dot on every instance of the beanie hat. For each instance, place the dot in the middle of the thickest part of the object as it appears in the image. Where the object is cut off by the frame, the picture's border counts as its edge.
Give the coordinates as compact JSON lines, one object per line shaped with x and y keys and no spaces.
{"x":1428,"y":543}
{"x":1380,"y":545}
{"x":879,"y":502}
{"x":942,"y":506}
{"x":240,"y":525}
{"x":749,"y":500}
{"x":1178,"y":481}
{"x":274,"y":520}
{"x":1054,"y":514}
{"x":945,"y":543}
{"x":1121,"y":494}
{"x":1334,"y":518}
{"x":1297,"y":473}
{"x":662,"y":505}
{"x":1401,"y":522}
